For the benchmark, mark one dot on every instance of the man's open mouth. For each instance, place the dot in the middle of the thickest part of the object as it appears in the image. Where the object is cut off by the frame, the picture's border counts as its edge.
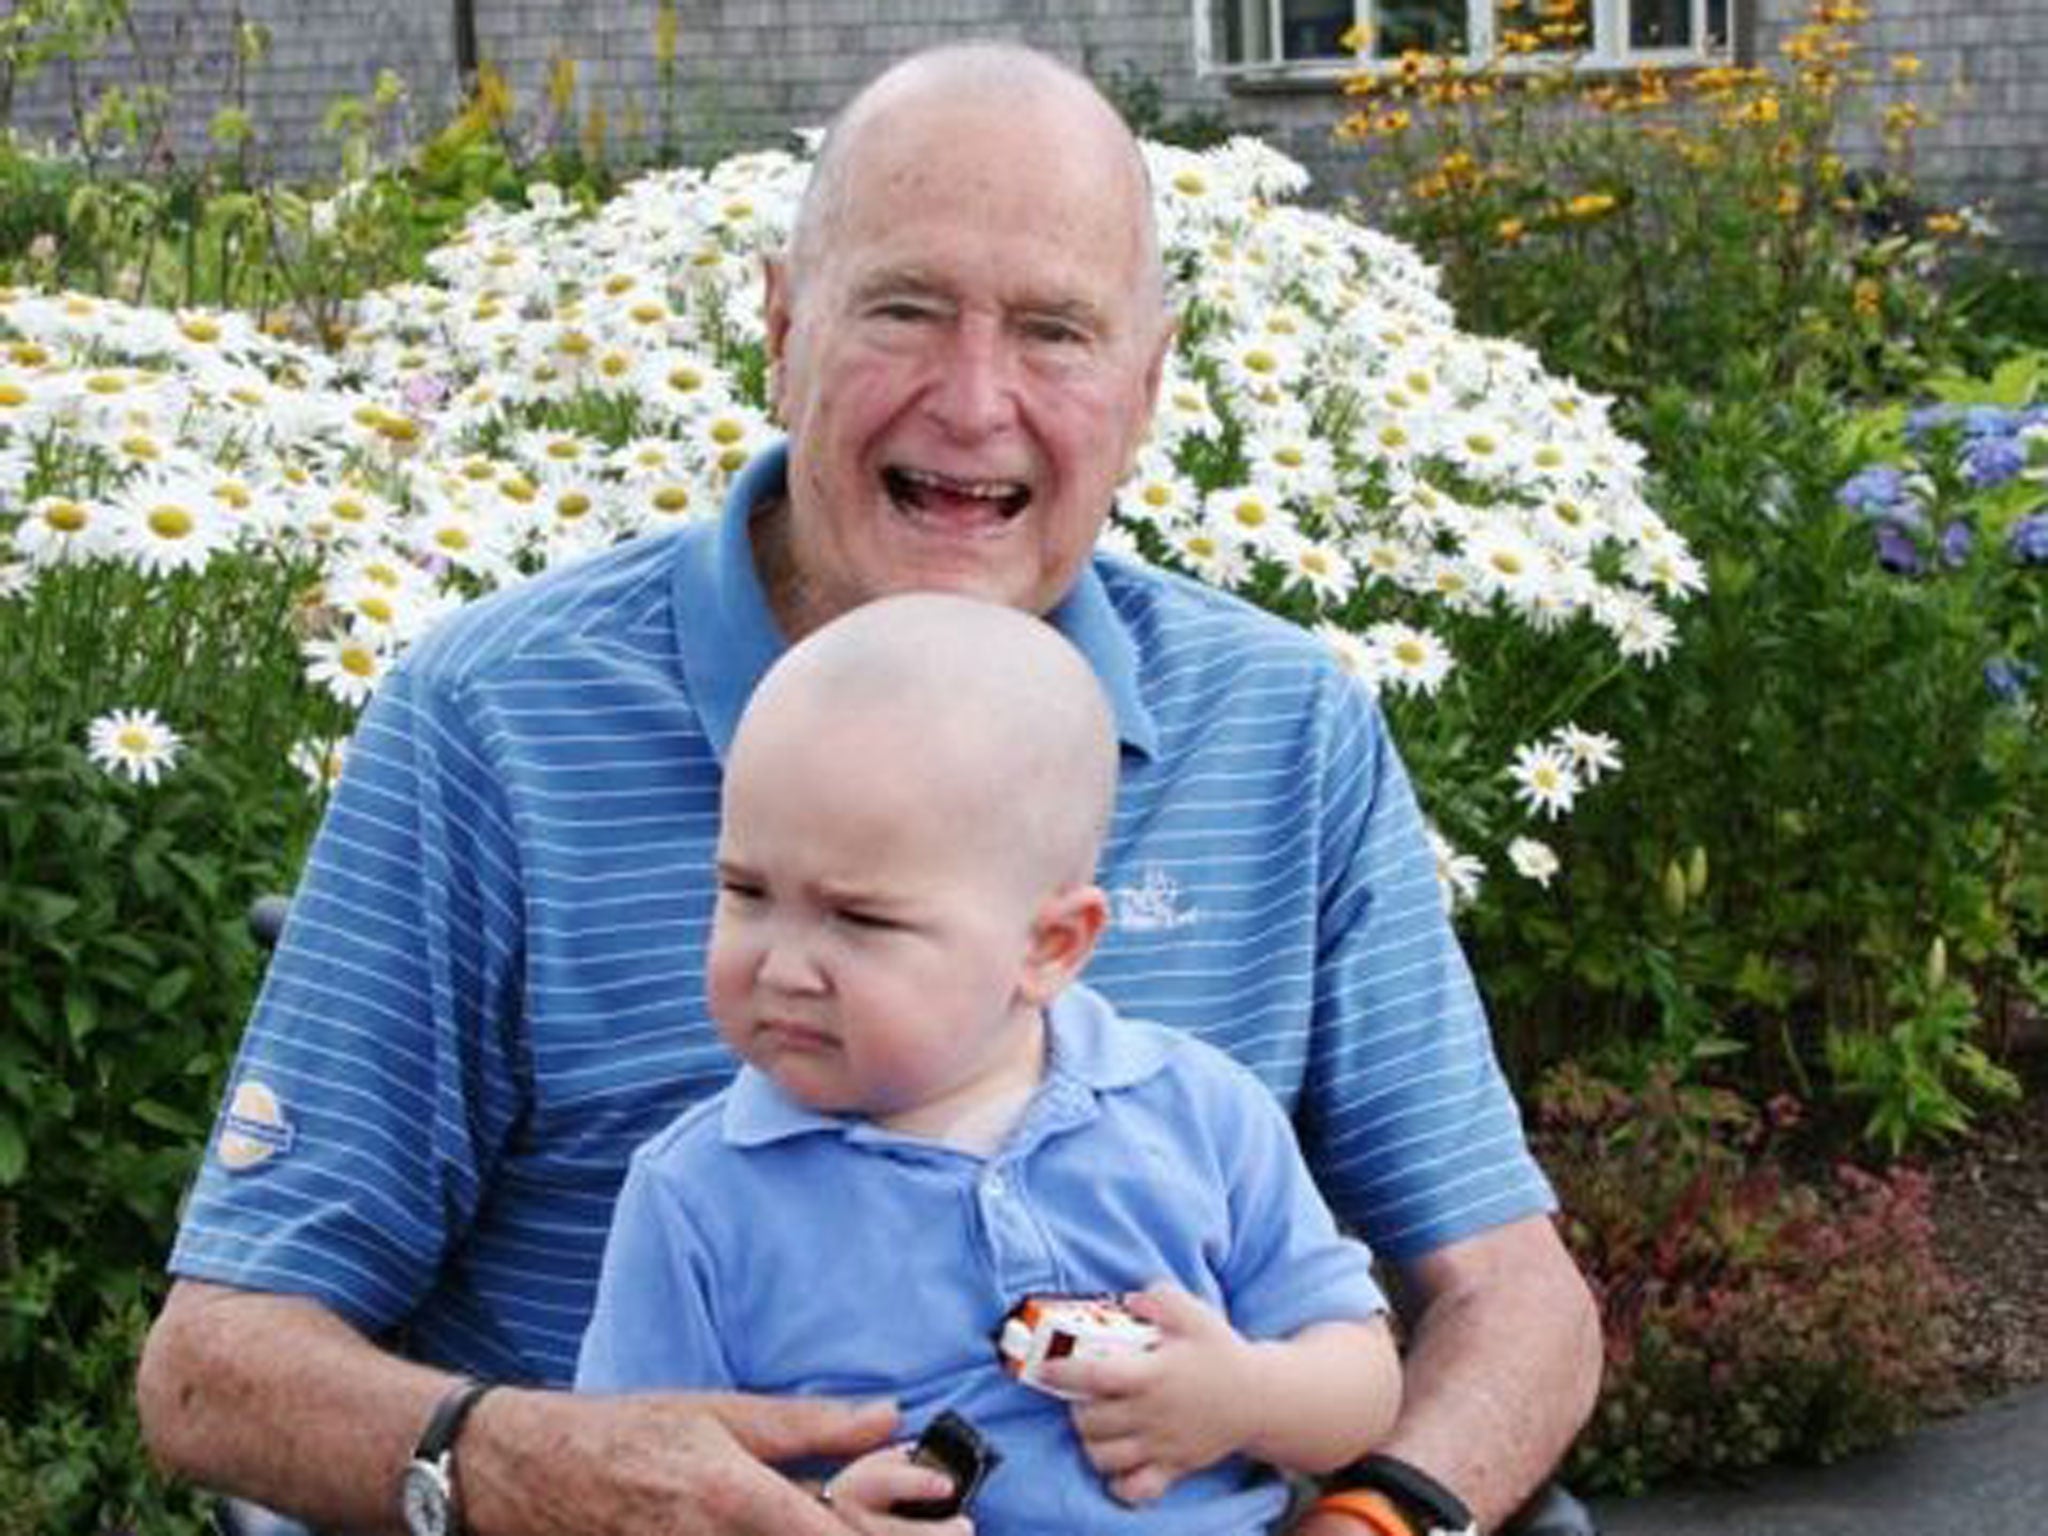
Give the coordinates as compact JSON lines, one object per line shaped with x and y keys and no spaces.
{"x":954,"y":506}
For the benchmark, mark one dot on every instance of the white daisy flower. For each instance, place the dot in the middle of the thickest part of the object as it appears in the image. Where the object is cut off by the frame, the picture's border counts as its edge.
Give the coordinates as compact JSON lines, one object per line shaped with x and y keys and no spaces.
{"x":1544,"y":779}
{"x":1352,"y":653}
{"x":1534,"y":859}
{"x":321,"y":761}
{"x":1323,"y":569}
{"x":1593,"y":754}
{"x":168,"y":525}
{"x":57,"y":530}
{"x":134,"y":744}
{"x":348,"y":666}
{"x":1457,"y":874}
{"x":1408,"y":659}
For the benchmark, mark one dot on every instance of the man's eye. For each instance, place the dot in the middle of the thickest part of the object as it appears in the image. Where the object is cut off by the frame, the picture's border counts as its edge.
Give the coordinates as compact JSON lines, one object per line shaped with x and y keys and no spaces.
{"x":740,"y":890}
{"x":1056,"y":332}
{"x":902,"y":311}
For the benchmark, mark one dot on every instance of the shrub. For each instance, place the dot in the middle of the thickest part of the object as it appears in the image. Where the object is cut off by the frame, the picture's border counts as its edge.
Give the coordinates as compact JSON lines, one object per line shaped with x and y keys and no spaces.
{"x":1645,"y":230}
{"x":1750,"y":1317}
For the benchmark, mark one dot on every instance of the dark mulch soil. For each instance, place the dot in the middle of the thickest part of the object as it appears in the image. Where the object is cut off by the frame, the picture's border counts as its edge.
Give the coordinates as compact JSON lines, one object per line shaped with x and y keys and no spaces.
{"x":1991,"y":1224}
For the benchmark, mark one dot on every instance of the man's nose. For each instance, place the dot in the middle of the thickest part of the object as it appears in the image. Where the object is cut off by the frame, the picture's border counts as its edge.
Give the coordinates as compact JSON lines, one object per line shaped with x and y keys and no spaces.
{"x":974,"y":392}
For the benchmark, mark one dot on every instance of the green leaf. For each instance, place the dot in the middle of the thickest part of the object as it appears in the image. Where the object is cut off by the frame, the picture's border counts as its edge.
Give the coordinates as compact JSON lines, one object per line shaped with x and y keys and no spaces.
{"x":166,"y":1118}
{"x":81,"y":1015}
{"x":13,"y":1152}
{"x":166,"y":991}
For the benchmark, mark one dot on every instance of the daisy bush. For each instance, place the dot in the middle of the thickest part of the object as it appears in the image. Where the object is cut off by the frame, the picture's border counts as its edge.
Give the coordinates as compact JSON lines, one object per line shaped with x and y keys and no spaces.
{"x":243,"y":533}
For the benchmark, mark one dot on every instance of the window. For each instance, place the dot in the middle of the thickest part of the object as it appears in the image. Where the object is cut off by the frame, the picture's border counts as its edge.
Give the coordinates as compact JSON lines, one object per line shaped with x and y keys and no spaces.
{"x":1285,"y":35}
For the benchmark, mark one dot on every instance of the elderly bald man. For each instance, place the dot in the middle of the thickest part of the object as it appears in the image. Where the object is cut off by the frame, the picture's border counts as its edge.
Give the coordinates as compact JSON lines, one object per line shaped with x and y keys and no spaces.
{"x":491,"y":988}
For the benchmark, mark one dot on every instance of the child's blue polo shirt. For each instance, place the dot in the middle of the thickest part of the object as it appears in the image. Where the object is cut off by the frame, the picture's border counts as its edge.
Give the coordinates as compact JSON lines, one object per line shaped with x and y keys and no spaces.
{"x":491,"y":987}
{"x":760,"y":1246}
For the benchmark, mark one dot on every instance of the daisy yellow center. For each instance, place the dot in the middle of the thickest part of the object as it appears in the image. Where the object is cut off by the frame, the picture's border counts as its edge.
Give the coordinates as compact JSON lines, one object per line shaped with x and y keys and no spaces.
{"x":134,"y":740}
{"x":487,"y":309}
{"x":228,"y":493}
{"x":65,"y":517}
{"x":12,"y":394}
{"x":685,"y":380}
{"x":671,"y":498}
{"x":169,"y":522}
{"x":646,"y":313}
{"x":1419,"y":382}
{"x":1410,"y":653}
{"x":564,"y":448}
{"x":1548,"y":457}
{"x":1393,"y":437}
{"x":375,"y":609}
{"x":1201,"y":546}
{"x":478,"y":469}
{"x":726,"y":432}
{"x":1481,"y":444}
{"x":615,"y":365}
{"x":29,"y":354}
{"x":1259,"y":360}
{"x":241,"y":394}
{"x":519,"y":488}
{"x":358,"y":662}
{"x":200,"y":329}
{"x":1156,"y":496}
{"x":573,"y":343}
{"x":732,"y":460}
{"x":572,"y":505}
{"x":1507,"y":563}
{"x":349,"y":510}
{"x":1251,"y":514}
{"x":452,"y":538}
{"x":618,"y":283}
{"x":1190,"y":184}
{"x":501,"y":258}
{"x":1315,"y":562}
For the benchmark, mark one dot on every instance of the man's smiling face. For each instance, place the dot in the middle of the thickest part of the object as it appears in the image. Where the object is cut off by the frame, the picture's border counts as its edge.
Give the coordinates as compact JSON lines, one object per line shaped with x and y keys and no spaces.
{"x":967,"y":359}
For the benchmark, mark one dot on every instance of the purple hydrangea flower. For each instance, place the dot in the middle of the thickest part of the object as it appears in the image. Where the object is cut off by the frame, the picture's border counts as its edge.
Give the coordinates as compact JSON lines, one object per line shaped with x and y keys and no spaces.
{"x":2029,"y":539}
{"x":2008,"y":678}
{"x":1957,"y":539}
{"x":1990,"y":461}
{"x":1896,"y":551}
{"x":1878,"y":491}
{"x":1927,"y":419}
{"x":1990,"y":421}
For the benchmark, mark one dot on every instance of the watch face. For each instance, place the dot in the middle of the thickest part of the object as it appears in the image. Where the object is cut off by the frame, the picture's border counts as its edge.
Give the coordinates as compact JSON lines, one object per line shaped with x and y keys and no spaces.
{"x":423,"y":1498}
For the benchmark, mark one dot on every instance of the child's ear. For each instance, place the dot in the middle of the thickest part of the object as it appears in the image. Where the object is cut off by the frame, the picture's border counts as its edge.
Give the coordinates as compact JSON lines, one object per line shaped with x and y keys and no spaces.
{"x":1063,"y":935}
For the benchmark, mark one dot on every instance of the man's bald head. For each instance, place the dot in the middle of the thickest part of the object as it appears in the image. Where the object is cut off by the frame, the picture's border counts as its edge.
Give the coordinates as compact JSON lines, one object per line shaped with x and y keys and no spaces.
{"x":1007,"y":79}
{"x":989,"y":711}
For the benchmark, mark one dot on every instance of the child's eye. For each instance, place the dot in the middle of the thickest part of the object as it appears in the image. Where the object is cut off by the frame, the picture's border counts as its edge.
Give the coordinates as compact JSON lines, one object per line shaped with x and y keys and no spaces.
{"x":873,"y":922}
{"x":740,"y":890}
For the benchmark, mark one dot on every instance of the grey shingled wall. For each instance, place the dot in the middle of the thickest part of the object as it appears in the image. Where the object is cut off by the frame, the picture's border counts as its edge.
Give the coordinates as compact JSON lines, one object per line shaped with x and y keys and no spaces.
{"x":746,"y":72}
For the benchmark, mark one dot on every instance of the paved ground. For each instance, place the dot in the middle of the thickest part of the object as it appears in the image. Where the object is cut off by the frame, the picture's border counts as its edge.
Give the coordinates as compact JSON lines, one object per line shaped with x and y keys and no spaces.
{"x":1983,"y":1474}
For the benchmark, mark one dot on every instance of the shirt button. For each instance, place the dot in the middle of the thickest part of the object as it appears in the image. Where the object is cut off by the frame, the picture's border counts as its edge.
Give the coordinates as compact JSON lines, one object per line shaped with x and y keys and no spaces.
{"x":994,"y":1186}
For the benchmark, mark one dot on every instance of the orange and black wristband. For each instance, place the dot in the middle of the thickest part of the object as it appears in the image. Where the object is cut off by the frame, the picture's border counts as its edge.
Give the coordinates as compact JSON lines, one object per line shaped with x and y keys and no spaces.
{"x":1392,"y":1498}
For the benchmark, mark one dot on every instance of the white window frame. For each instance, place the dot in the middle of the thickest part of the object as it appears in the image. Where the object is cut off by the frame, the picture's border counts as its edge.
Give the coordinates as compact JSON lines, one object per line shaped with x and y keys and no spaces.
{"x":1608,"y":49}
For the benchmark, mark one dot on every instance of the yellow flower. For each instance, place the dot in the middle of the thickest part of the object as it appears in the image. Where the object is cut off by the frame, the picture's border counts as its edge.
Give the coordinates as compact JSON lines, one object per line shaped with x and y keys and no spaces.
{"x":1357,"y":39}
{"x":1790,"y":200}
{"x":1867,"y":297}
{"x":1906,"y":65}
{"x":1590,"y":205}
{"x":1510,"y":231}
{"x":1944,"y":224}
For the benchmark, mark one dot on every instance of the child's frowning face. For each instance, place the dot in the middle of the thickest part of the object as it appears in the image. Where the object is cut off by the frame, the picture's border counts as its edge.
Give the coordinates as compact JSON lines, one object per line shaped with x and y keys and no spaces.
{"x":873,"y":947}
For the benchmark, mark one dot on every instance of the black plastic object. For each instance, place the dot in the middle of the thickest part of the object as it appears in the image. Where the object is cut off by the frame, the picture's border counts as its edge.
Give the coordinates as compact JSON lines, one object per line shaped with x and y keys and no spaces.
{"x":951,"y":1445}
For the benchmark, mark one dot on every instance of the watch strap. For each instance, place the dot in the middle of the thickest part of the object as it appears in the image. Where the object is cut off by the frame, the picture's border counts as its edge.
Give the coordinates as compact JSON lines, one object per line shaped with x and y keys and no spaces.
{"x":446,"y":1421}
{"x":1425,"y":1503}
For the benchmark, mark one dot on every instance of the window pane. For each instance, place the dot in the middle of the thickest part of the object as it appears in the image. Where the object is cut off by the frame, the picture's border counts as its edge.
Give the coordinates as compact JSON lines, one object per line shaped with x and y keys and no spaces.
{"x":1717,"y":25}
{"x":1314,"y":29}
{"x":1241,"y":31}
{"x":1426,"y":26}
{"x":1660,"y":24}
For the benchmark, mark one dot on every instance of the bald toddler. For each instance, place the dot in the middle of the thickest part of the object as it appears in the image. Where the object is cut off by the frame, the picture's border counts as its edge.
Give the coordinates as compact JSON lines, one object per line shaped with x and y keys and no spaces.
{"x":935,"y":1120}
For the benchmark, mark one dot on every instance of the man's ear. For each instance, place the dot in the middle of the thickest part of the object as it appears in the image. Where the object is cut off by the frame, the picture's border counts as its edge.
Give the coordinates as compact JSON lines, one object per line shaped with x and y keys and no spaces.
{"x":1064,"y":932}
{"x":775,"y":321}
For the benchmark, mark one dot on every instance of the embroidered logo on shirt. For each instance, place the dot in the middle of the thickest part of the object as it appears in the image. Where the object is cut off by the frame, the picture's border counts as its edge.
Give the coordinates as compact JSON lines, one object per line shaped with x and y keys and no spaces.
{"x":254,"y":1129}
{"x":1153,"y":905}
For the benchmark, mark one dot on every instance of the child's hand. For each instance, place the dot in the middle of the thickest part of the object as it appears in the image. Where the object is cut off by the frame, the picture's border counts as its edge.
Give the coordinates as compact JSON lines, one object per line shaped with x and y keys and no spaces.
{"x":1147,"y":1420}
{"x":862,"y":1492}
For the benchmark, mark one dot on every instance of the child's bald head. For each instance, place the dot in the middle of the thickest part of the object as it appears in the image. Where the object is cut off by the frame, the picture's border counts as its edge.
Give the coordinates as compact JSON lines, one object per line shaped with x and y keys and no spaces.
{"x":994,"y":718}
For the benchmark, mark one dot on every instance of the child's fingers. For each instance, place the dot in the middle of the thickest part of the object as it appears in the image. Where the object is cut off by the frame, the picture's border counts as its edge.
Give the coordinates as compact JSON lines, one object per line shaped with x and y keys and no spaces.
{"x":1117,"y":1456}
{"x":1141,"y":1486}
{"x":1107,"y":1418}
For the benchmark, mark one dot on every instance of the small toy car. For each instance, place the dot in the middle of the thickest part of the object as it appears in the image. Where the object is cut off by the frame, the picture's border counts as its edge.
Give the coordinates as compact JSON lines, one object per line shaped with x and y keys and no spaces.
{"x":1045,"y":1328}
{"x":955,"y":1447}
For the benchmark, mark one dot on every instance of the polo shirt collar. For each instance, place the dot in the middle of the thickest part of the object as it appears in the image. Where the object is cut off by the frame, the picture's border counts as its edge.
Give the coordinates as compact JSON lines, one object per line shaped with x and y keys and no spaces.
{"x":728,"y":635}
{"x":1093,"y":1052}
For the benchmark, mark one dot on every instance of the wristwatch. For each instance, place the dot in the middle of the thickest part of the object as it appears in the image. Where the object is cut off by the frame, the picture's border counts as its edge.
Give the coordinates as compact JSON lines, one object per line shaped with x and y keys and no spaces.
{"x":427,"y":1496}
{"x":1411,"y":1496}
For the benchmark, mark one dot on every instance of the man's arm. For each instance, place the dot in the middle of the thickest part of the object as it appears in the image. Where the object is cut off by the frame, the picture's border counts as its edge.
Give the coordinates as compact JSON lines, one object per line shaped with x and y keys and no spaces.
{"x":1503,"y":1366}
{"x":279,"y":1400}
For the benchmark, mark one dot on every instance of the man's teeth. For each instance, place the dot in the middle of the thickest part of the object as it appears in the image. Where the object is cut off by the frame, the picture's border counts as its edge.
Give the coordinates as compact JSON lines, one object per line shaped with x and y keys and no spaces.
{"x":980,"y":490}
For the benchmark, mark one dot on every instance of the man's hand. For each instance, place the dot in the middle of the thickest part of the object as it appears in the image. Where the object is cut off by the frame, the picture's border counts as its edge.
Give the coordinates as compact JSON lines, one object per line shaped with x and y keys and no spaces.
{"x":863,"y":1492}
{"x":542,"y":1463}
{"x":1147,"y":1420}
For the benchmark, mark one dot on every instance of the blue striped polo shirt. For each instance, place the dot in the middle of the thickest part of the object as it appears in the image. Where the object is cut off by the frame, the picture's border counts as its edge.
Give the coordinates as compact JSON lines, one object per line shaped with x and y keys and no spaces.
{"x":490,"y":990}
